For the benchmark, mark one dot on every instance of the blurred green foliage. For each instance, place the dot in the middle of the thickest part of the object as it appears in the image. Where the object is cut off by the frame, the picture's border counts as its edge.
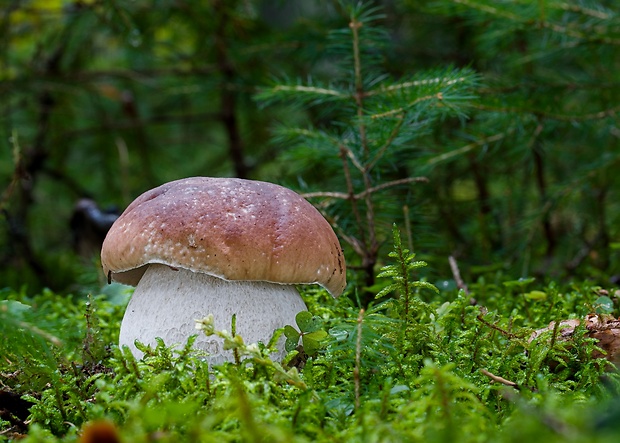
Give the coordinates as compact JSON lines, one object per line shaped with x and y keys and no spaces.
{"x":105,"y":99}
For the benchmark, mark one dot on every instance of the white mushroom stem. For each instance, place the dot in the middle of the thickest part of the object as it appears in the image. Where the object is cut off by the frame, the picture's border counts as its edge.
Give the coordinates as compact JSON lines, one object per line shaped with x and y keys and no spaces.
{"x":167,"y":302}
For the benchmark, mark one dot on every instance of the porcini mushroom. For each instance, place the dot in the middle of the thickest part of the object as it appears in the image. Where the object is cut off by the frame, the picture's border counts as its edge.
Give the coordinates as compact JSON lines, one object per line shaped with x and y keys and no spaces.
{"x":220,"y":246}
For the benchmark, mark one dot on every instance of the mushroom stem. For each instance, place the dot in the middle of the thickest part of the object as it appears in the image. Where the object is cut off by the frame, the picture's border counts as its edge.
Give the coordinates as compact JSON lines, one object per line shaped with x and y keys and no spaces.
{"x":167,"y":302}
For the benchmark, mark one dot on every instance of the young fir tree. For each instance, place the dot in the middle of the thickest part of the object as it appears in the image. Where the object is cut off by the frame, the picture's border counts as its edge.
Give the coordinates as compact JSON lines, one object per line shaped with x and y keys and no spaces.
{"x":352,"y":162}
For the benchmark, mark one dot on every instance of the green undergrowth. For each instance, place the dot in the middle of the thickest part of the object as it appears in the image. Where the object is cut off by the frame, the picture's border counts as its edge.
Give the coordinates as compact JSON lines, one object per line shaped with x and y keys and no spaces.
{"x":418,"y":364}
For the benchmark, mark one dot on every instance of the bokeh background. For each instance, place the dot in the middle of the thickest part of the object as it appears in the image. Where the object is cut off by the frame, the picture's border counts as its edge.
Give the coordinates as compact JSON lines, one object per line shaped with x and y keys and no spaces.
{"x":104,"y":99}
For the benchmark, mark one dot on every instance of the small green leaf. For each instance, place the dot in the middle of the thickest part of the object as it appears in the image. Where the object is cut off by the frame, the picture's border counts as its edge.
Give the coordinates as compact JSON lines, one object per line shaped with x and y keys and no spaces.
{"x":316,"y":335}
{"x":521,"y":283}
{"x":291,"y":333}
{"x":307,"y":322}
{"x":291,"y":344}
{"x":292,"y":338}
{"x":398,"y":389}
{"x":604,"y":305}
{"x":425,"y":284}
{"x":312,"y":341}
{"x":536,"y":295}
{"x":311,"y":347}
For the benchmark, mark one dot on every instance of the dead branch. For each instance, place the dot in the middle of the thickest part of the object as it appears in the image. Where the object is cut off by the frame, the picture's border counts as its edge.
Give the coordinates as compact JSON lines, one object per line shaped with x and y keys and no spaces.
{"x":364,"y":194}
{"x":499,"y":379}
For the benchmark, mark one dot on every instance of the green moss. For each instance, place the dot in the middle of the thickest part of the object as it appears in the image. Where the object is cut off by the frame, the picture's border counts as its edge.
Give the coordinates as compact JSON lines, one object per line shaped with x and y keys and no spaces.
{"x":403,"y":369}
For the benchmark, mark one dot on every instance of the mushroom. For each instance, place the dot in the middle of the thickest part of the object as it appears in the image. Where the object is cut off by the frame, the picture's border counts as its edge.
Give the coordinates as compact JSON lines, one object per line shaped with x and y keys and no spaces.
{"x":219,"y":246}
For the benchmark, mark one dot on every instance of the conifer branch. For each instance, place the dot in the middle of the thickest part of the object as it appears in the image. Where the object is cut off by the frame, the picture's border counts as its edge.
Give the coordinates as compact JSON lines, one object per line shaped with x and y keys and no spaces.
{"x":311,"y":89}
{"x":354,"y":160}
{"x":585,"y":11}
{"x":357,"y":245}
{"x":392,"y":183}
{"x":464,"y":149}
{"x":416,"y":83}
{"x":380,"y":116}
{"x":437,"y":96}
{"x":605,"y":113}
{"x":570,"y":31}
{"x":488,"y":9}
{"x":359,"y":85}
{"x":351,"y":191}
{"x":383,"y":149}
{"x":370,"y":219}
{"x":363,"y":194}
{"x":372,"y":247}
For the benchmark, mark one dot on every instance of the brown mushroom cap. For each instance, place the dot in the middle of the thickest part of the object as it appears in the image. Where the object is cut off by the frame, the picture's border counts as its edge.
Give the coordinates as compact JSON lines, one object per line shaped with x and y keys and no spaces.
{"x":229,"y":228}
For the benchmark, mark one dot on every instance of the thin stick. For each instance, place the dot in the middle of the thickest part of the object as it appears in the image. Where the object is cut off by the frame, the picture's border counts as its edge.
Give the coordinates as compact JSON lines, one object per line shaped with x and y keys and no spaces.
{"x":233,"y":329}
{"x":359,"y":85}
{"x":497,"y":328}
{"x":457,"y":274}
{"x":358,"y":364}
{"x":499,"y":379}
{"x":408,"y":228}
{"x":363,"y":194}
{"x":350,"y":195}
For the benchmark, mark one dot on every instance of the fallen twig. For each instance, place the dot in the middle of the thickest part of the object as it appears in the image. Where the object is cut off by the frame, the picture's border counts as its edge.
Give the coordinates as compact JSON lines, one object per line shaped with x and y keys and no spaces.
{"x":501,"y":380}
{"x":457,"y":274}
